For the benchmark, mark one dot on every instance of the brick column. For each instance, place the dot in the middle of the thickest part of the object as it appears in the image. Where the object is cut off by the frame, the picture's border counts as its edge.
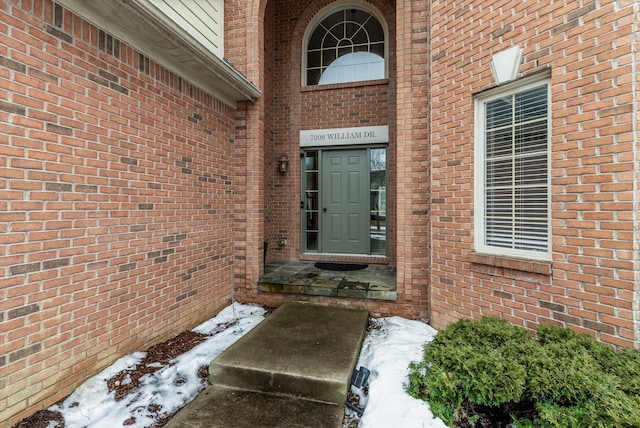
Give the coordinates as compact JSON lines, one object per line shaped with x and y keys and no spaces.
{"x":412,"y":154}
{"x":244,"y":47}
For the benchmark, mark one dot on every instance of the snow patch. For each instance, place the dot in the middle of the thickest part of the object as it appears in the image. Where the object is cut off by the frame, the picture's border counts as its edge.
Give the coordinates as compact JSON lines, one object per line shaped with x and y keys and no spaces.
{"x":386,"y":352}
{"x":163,"y":392}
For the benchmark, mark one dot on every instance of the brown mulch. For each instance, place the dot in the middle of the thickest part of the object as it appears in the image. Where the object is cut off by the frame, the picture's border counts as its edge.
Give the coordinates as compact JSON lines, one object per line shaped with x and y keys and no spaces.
{"x":353,"y":398}
{"x":158,"y":356}
{"x":41,"y":419}
{"x":372,"y":324}
{"x":203,"y":372}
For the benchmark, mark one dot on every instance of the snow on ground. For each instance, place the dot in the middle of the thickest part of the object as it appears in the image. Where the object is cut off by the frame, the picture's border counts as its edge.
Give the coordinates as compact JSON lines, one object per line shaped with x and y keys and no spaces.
{"x":386,"y":352}
{"x":163,"y":392}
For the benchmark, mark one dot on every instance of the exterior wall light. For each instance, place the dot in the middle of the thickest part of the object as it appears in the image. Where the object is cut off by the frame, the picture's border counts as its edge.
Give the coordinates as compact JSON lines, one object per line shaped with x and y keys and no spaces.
{"x":283,"y":163}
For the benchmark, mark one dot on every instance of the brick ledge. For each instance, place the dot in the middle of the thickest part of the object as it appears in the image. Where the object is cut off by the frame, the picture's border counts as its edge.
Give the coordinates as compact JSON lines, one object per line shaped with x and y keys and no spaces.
{"x":312,"y":88}
{"x":525,"y":265}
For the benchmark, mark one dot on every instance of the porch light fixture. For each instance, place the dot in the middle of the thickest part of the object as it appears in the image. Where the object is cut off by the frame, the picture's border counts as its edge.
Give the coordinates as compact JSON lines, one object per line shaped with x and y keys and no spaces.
{"x":283,"y":163}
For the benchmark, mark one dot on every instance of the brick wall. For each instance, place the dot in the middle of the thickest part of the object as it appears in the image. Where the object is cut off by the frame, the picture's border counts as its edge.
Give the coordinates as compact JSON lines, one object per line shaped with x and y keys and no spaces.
{"x":294,"y":108}
{"x":345,"y":105}
{"x":401,"y":103}
{"x":116,"y":209}
{"x":245,"y":46}
{"x":412,"y":154}
{"x":132,"y":201}
{"x":592,"y":284}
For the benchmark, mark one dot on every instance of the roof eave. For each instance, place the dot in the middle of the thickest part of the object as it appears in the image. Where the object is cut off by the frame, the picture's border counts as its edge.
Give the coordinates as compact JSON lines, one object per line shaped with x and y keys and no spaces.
{"x":143,"y":26}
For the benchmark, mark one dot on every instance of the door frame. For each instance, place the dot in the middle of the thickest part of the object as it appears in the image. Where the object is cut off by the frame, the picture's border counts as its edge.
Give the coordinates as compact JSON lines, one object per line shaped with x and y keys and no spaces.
{"x":304,"y":244}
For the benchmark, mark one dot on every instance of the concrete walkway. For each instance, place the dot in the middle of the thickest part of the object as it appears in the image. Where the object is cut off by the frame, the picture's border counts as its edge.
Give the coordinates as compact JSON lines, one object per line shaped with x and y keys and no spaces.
{"x":292,"y":370}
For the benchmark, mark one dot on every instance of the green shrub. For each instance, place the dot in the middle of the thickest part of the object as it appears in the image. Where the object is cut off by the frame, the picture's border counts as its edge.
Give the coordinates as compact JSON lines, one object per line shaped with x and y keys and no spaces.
{"x":604,"y":355}
{"x":473,"y":371}
{"x":554,"y":415}
{"x":562,"y":373}
{"x":489,"y":332}
{"x":477,"y":360}
{"x":627,"y":369}
{"x":611,"y":406}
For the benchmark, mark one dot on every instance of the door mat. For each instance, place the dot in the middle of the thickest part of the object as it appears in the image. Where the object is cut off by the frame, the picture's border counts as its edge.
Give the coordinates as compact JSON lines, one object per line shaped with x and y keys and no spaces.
{"x":340,"y":266}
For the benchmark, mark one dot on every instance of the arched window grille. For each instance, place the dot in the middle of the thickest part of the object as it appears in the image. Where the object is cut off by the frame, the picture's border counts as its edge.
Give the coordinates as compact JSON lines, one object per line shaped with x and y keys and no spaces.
{"x":348,"y":45}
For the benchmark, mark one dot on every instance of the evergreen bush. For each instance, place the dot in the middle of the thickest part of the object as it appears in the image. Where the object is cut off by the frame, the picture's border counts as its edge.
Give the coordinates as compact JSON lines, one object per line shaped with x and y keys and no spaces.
{"x":475,"y":373}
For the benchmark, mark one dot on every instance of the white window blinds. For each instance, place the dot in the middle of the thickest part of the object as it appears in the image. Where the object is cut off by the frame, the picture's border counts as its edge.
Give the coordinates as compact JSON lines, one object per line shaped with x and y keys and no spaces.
{"x":516,"y":171}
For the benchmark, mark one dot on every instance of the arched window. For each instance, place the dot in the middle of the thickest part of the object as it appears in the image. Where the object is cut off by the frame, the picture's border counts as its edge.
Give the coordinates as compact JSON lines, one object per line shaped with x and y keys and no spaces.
{"x":347,"y":45}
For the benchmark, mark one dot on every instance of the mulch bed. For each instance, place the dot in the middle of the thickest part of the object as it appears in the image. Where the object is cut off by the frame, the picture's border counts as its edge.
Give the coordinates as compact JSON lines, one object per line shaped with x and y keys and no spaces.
{"x":158,"y":356}
{"x":372,"y":324}
{"x":470,"y":415}
{"x":41,"y":419}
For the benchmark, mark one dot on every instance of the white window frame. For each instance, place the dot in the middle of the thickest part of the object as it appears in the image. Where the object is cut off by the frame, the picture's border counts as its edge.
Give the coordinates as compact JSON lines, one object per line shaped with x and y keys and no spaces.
{"x":480,"y":102}
{"x":328,"y":10}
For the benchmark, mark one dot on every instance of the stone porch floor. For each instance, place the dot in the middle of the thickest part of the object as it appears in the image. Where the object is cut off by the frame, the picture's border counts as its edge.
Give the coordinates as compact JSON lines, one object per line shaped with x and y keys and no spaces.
{"x":373,"y":282}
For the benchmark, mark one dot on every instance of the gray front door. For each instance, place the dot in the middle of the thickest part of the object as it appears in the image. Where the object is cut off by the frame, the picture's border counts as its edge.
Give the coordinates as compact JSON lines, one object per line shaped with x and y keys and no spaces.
{"x":345,"y":203}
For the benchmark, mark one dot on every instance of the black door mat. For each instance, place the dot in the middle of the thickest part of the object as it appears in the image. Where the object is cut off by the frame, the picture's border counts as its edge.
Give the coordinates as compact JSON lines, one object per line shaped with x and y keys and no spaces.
{"x":343,"y":267}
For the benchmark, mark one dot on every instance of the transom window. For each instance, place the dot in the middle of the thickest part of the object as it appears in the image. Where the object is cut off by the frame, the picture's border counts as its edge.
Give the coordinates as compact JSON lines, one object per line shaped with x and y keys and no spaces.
{"x":512,"y":171}
{"x":348,"y":45}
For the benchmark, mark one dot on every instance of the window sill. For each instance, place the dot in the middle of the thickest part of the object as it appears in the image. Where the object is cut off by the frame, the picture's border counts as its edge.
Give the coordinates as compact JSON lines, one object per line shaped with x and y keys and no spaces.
{"x":313,"y":88}
{"x":524,"y":265}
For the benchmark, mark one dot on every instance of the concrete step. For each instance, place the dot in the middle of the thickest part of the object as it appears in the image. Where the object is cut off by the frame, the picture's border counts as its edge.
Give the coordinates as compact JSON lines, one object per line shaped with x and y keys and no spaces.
{"x":300,"y":350}
{"x":220,"y":407}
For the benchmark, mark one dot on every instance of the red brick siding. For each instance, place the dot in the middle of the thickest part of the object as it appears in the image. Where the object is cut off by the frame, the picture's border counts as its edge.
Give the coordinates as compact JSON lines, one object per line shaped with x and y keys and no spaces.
{"x":244,"y":47}
{"x":588,"y":46}
{"x":270,"y":64}
{"x":412,"y":154}
{"x":131,"y":201}
{"x":116,"y":207}
{"x":295,"y":108}
{"x":344,"y":106}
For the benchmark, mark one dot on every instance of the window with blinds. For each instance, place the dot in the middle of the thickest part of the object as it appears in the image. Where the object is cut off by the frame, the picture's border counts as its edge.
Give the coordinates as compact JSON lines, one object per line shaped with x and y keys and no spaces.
{"x":512,"y":193}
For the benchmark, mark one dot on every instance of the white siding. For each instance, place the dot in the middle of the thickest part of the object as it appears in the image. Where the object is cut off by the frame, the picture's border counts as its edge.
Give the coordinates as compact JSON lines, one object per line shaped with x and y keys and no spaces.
{"x":202,"y":19}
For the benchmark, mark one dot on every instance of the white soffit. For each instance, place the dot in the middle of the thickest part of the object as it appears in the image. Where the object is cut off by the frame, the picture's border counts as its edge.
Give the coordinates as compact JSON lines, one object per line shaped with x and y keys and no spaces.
{"x":505,"y":65}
